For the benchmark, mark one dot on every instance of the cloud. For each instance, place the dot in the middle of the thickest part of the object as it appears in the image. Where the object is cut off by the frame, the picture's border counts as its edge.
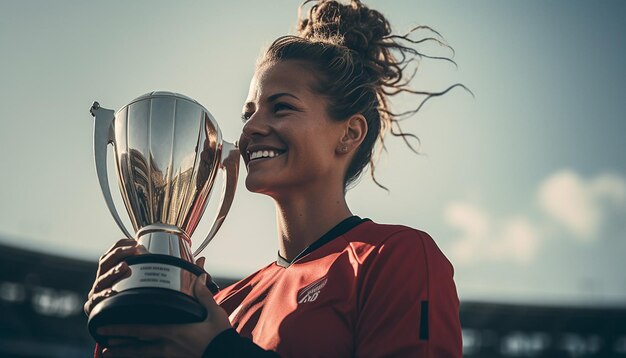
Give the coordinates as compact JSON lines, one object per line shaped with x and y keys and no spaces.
{"x":483,"y":237}
{"x":580,"y":205}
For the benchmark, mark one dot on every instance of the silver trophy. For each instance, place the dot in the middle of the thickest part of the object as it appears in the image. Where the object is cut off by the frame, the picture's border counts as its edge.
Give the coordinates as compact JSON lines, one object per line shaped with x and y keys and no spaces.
{"x":168,"y":150}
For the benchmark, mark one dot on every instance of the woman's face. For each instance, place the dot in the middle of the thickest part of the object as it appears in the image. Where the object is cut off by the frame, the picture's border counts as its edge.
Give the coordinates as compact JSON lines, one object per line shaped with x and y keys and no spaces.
{"x":288,"y":141}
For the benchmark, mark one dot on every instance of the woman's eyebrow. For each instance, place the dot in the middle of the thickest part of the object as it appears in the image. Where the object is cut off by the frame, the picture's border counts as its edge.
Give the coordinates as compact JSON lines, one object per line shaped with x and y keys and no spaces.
{"x":278,"y":95}
{"x":271,"y":98}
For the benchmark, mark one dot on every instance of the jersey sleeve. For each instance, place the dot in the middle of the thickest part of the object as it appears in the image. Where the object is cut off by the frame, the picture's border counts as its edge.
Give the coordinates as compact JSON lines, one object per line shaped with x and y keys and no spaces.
{"x":230,"y":344}
{"x":408,"y":305}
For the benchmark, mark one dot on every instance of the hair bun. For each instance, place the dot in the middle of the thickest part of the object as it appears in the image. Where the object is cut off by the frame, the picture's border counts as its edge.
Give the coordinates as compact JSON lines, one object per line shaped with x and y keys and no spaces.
{"x":354,"y":26}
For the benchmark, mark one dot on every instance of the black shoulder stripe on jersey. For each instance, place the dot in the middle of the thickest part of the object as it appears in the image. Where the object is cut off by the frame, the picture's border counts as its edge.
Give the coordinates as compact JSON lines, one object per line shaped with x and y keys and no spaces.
{"x":424,"y":321}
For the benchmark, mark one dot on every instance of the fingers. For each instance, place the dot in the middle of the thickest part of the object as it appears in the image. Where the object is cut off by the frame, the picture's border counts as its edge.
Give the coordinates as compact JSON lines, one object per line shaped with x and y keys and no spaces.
{"x":120,"y":243}
{"x":217,"y":318}
{"x":138,"y":349}
{"x":202,"y":294}
{"x":115,"y":274}
{"x":111,"y":269}
{"x":213,"y":287}
{"x":95,"y":299}
{"x":117,"y":254}
{"x":200,"y":261}
{"x":138,"y":331}
{"x":112,"y":342}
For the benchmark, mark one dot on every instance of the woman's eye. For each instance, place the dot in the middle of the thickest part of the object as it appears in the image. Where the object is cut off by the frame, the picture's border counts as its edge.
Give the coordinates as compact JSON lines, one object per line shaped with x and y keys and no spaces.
{"x":282,"y":106}
{"x":245,"y":116}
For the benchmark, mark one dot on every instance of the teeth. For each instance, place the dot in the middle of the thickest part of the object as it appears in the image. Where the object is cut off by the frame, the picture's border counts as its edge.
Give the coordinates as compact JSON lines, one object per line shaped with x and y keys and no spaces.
{"x":264,"y":154}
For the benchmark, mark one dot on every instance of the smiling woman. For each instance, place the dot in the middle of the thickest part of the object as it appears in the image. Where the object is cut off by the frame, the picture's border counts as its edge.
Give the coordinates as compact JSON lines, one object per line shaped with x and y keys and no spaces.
{"x":286,"y":117}
{"x":341,"y":285}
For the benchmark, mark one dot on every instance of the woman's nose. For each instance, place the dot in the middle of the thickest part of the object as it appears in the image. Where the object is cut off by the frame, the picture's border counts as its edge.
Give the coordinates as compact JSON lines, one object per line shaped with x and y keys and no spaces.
{"x":256,"y":125}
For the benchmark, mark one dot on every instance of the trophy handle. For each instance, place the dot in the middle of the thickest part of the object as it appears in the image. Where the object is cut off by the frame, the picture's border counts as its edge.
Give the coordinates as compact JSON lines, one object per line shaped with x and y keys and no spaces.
{"x":230,"y":164}
{"x":102,"y":137}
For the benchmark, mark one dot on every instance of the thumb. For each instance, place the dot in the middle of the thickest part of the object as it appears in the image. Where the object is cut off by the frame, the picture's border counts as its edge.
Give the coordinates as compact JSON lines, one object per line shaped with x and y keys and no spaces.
{"x":202,"y":294}
{"x":200,"y":261}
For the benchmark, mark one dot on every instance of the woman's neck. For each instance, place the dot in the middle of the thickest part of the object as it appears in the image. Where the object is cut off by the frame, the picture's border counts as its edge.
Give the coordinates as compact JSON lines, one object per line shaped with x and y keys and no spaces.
{"x":303,"y":219}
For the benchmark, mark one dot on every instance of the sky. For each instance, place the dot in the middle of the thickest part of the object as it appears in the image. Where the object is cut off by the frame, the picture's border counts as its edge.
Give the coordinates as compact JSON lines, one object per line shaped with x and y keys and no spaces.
{"x":523,"y":186}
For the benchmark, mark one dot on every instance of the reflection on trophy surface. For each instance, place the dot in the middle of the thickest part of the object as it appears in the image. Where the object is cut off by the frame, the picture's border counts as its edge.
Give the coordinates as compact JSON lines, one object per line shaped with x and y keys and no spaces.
{"x":168,"y":150}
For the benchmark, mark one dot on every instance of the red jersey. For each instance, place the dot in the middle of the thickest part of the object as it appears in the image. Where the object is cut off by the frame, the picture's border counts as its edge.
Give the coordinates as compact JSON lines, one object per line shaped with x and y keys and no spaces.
{"x":371,"y":291}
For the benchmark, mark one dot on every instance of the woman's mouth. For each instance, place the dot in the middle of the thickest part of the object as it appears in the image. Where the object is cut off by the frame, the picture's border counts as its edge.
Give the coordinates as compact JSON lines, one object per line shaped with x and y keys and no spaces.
{"x":264,"y":153}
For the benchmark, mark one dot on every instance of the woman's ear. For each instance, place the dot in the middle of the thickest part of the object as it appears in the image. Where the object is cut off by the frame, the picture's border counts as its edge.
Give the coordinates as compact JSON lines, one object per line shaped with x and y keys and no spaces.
{"x":355,"y":129}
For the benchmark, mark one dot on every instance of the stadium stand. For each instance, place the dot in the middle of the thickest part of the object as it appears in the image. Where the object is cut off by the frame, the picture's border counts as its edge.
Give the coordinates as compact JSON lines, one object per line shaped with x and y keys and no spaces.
{"x":41,"y":315}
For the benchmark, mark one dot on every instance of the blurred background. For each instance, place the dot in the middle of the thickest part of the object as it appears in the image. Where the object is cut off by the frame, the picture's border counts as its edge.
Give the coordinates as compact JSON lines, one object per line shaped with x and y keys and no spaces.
{"x":523,"y":187}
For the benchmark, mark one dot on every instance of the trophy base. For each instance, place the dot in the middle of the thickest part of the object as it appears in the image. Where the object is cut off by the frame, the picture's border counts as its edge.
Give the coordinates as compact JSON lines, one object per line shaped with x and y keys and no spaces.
{"x":145,"y":306}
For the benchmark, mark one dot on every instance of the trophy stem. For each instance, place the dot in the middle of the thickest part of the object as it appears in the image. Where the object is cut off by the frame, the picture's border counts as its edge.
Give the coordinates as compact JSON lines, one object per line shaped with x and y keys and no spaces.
{"x":166,"y":239}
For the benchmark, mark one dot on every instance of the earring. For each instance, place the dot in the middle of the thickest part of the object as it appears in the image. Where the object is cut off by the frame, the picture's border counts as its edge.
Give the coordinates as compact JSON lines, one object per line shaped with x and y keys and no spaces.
{"x":344,"y":148}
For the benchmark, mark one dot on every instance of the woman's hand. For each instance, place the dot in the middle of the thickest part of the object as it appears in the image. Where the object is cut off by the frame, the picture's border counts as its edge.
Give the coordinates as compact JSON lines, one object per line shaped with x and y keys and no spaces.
{"x":111,"y":268}
{"x":181,"y":340}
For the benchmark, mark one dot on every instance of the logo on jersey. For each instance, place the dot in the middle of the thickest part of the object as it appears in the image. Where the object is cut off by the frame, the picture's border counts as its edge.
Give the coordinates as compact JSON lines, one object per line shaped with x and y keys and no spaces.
{"x":312,"y":291}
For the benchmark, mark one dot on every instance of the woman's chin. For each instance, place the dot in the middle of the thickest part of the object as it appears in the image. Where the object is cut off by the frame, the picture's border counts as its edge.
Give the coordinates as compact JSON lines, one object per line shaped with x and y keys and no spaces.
{"x":256,"y":185}
{"x":267,"y":187}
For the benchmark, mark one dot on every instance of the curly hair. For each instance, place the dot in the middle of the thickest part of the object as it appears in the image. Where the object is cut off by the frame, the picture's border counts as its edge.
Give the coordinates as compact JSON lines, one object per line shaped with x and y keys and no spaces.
{"x":360,"y":63}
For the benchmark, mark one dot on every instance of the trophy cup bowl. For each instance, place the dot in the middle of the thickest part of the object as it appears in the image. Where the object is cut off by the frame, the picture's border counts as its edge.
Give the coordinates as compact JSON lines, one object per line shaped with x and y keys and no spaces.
{"x":168,"y":150}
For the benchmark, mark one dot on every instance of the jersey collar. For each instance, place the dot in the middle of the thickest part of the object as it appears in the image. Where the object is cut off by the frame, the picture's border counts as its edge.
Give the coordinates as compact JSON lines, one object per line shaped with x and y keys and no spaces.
{"x":339,"y":229}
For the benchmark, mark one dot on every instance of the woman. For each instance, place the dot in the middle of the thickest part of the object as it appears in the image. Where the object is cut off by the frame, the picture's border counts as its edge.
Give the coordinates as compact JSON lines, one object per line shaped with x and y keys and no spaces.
{"x":341,"y":286}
